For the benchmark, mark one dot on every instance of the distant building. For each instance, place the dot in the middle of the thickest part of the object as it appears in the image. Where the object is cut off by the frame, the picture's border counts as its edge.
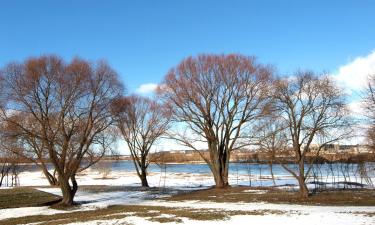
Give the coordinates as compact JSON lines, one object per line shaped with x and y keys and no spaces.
{"x":353,"y":149}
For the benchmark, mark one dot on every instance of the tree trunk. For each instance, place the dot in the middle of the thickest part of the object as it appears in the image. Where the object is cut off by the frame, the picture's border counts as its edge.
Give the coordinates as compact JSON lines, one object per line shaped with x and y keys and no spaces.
{"x":68,"y":191}
{"x":219,"y":164}
{"x":2,"y":175}
{"x":303,"y":190}
{"x":272,"y":175}
{"x":143,"y":177}
{"x":52,"y":180}
{"x":220,"y":173}
{"x":4,"y":172}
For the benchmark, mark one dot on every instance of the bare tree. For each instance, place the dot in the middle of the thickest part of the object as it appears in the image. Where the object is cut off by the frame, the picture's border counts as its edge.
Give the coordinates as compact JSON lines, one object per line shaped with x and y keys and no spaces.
{"x":29,"y":147}
{"x":369,"y":107}
{"x":5,"y":167}
{"x":69,"y":105}
{"x":9,"y":168}
{"x":216,"y":98}
{"x":313,"y":109}
{"x":141,"y":122}
{"x":272,"y":140}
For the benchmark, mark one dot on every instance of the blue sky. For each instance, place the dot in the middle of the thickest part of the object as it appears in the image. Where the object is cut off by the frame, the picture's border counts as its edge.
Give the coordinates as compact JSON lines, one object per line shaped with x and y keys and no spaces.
{"x":142,"y":40}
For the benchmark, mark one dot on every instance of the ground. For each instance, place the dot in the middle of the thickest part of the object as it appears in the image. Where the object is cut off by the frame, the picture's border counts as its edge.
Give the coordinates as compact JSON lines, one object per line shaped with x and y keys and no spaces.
{"x":25,"y":197}
{"x":181,"y":203}
{"x":235,"y":205}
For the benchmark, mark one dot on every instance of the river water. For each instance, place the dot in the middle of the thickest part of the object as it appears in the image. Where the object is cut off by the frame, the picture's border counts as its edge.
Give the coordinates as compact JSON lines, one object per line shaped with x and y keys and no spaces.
{"x":260,"y":174}
{"x":337,"y":174}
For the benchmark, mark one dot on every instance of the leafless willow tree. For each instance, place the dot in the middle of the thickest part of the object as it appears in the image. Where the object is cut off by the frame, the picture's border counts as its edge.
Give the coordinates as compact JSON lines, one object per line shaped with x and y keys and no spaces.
{"x":5,"y":166}
{"x":215,"y":99}
{"x":314,"y":111}
{"x":369,"y":106}
{"x":141,"y":122}
{"x":272,"y":139}
{"x":64,"y":108}
{"x":29,"y":147}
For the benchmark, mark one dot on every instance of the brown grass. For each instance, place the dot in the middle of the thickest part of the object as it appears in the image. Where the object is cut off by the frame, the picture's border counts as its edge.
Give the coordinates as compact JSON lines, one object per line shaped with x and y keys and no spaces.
{"x":238,"y":194}
{"x":152,"y":213}
{"x":25,"y":197}
{"x":21,"y":197}
{"x":368,"y":214}
{"x":166,"y":219}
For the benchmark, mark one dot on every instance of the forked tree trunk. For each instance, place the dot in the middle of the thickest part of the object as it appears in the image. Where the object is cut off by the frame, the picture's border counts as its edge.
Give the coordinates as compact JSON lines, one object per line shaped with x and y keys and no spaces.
{"x":221,"y":181}
{"x":219,"y":165}
{"x":52,"y":180}
{"x":220,"y":173}
{"x":3,"y":173}
{"x":67,"y":190}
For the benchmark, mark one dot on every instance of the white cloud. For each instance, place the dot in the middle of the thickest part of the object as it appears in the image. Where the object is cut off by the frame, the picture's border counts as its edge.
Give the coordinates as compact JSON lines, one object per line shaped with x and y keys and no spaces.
{"x":354,"y":74}
{"x":356,"y":107}
{"x":147,"y":88}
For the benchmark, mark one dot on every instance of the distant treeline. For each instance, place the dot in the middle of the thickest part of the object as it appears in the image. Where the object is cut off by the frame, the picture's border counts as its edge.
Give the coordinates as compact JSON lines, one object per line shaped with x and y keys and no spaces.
{"x":236,"y":157}
{"x":260,"y":157}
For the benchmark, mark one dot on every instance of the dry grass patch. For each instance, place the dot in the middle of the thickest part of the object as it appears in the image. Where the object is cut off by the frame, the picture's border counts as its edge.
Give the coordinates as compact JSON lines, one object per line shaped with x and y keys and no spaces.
{"x":166,"y":219}
{"x":152,"y":213}
{"x":25,"y":197}
{"x":368,"y":214}
{"x":353,"y":197}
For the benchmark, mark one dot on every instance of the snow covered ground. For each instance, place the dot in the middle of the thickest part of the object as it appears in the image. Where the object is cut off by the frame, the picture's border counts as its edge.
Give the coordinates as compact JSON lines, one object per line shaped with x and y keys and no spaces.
{"x":118,"y":178}
{"x":307,"y":215}
{"x":294,"y":214}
